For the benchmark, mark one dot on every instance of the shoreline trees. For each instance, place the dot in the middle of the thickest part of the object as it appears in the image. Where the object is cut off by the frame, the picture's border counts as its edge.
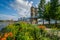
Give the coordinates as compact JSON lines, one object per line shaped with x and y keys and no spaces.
{"x":51,"y":10}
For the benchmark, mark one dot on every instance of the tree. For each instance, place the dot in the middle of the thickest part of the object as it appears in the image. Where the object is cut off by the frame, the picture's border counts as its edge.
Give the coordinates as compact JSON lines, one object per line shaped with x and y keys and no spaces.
{"x":54,"y":10}
{"x":59,"y":13}
{"x":51,"y":11}
{"x":41,"y":9}
{"x":46,"y":14}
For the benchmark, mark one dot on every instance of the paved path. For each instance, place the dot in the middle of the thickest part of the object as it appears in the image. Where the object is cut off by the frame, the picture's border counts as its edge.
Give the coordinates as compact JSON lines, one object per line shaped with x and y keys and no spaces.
{"x":54,"y":32}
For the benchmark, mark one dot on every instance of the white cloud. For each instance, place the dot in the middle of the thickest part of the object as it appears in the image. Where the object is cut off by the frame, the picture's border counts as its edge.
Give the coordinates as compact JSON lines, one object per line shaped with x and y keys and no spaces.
{"x":22,"y":7}
{"x":8,"y":17}
{"x":47,"y":1}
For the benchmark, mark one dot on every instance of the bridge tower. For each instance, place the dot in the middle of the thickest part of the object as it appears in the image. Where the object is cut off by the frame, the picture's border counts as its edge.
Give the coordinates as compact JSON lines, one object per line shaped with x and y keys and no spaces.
{"x":33,"y":15}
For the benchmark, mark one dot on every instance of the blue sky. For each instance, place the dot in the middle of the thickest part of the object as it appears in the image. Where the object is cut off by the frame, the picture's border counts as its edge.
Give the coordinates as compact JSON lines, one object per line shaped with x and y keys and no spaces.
{"x":13,"y":9}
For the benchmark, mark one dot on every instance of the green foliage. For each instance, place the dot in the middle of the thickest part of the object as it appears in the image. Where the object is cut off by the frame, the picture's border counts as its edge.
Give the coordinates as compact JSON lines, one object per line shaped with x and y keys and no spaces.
{"x":54,"y":9}
{"x":26,"y":31}
{"x":23,"y":31}
{"x":58,"y":13}
{"x":47,"y":15}
{"x":41,"y":8}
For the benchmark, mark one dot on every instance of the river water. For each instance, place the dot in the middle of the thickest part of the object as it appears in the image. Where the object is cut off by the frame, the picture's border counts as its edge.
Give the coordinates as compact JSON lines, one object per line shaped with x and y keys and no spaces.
{"x":3,"y":24}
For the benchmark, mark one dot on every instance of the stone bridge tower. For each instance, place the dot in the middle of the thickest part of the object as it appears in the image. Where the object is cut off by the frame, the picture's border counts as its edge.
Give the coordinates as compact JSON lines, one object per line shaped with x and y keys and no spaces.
{"x":34,"y":17}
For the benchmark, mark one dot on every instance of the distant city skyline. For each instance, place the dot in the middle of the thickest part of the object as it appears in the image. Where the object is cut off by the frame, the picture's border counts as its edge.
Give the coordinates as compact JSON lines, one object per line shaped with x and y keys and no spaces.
{"x":14,"y":9}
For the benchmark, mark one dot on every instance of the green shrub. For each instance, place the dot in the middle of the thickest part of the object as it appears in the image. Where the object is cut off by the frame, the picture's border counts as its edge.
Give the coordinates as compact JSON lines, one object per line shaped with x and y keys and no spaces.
{"x":25,"y":31}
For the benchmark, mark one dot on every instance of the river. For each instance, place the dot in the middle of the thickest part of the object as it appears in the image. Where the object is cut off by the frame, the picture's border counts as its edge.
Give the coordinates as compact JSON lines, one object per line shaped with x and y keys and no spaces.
{"x":3,"y":24}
